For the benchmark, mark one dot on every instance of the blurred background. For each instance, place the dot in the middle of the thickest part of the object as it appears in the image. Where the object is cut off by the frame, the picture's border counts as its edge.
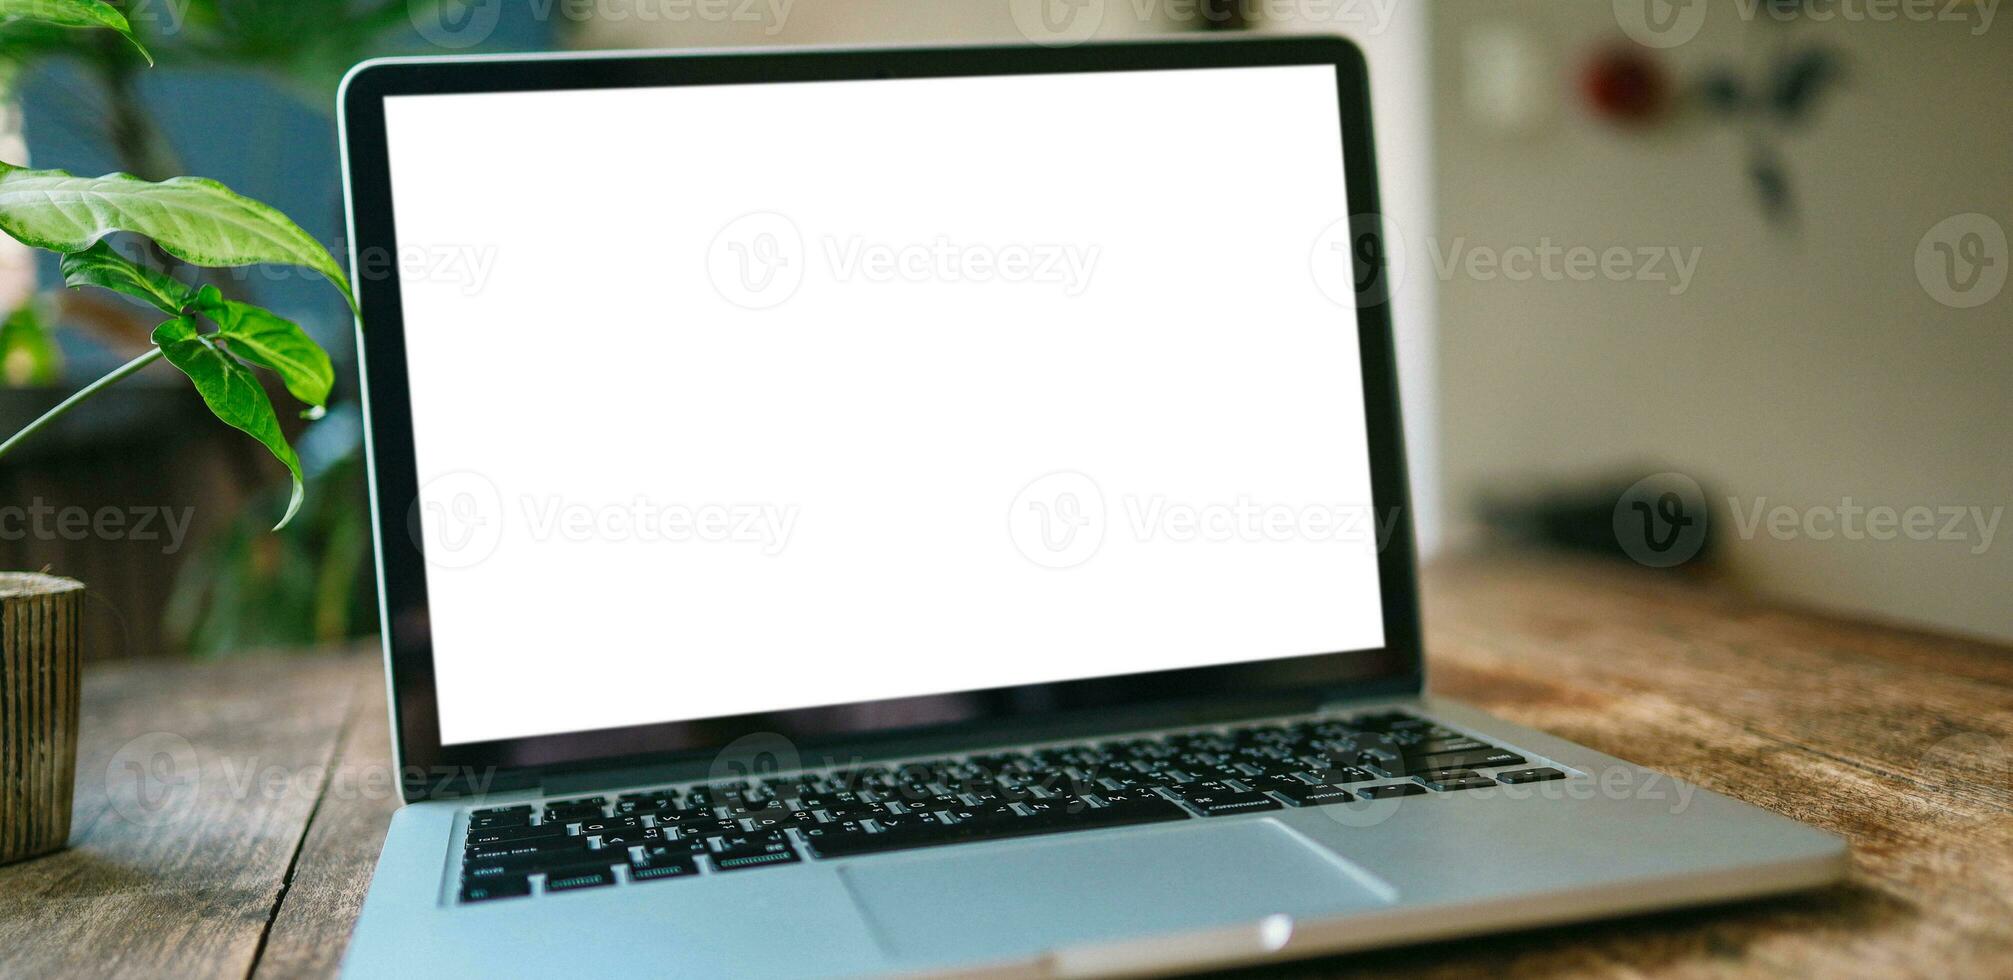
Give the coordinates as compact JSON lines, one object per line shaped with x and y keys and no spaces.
{"x":1714,"y":287}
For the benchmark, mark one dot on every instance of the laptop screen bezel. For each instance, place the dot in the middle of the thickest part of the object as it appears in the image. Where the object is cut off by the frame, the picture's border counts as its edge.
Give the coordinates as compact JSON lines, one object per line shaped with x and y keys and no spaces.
{"x":429,"y":768}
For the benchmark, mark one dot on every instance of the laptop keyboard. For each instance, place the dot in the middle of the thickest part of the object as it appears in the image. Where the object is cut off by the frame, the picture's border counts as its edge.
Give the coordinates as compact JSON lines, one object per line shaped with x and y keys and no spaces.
{"x":739,"y":826}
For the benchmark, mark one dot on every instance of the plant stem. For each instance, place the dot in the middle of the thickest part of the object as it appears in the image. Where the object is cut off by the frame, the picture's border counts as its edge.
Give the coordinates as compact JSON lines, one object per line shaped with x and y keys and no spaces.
{"x":118,"y":374}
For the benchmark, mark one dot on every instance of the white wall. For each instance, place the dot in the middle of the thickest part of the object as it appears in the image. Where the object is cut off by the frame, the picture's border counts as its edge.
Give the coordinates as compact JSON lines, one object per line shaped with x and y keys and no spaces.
{"x":1803,"y":369}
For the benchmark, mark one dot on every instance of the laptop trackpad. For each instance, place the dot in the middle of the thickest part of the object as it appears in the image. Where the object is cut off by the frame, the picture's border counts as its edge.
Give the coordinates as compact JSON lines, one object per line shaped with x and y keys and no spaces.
{"x":1024,"y":897}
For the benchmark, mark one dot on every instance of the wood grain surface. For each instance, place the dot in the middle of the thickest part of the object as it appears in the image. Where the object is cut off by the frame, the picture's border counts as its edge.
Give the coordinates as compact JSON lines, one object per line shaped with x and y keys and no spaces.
{"x":40,"y":689}
{"x":1899,"y":740}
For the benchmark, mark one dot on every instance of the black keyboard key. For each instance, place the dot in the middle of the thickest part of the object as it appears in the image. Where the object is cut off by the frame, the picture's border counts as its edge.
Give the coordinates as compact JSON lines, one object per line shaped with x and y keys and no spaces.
{"x":500,"y":820}
{"x":1231,"y":804}
{"x":669,"y":847}
{"x":786,"y":787}
{"x":1220,"y":799}
{"x":500,"y":835}
{"x":519,"y":848}
{"x":639,"y":805}
{"x":688,"y":815}
{"x":749,"y":808}
{"x":825,"y":801}
{"x":1449,"y":780}
{"x":1400,"y":765}
{"x":996,"y":825}
{"x":606,"y":825}
{"x":503,"y":868}
{"x":576,"y":878}
{"x":566,"y":813}
{"x":515,"y":886}
{"x":743,"y":859}
{"x":1120,"y":780}
{"x":783,"y":820}
{"x":932,"y":803}
{"x":1309,"y":795}
{"x":1538,"y":775}
{"x":1131,"y":797}
{"x":661,"y":868}
{"x":1464,"y":760}
{"x":1437,"y":746}
{"x":499,"y":811}
{"x":521,"y":864}
{"x":1203,"y":788}
{"x":706,"y":828}
{"x":631,"y":838}
{"x":1392,"y":791}
{"x":746,"y":839}
{"x":1341,"y":775}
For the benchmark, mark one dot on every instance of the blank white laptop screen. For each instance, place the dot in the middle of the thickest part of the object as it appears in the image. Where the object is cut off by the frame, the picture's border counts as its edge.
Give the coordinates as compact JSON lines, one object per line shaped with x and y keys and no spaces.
{"x":733,"y":399}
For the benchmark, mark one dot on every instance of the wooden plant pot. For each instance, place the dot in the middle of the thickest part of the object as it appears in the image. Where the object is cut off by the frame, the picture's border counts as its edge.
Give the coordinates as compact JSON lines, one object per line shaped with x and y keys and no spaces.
{"x":39,"y":668}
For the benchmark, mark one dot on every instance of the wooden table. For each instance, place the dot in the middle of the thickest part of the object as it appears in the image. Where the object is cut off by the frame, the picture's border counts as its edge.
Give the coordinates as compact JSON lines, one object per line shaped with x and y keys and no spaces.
{"x":1899,"y":740}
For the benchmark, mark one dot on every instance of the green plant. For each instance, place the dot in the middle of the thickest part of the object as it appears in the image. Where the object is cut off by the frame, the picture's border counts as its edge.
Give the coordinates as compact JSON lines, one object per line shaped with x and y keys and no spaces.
{"x":217,"y":342}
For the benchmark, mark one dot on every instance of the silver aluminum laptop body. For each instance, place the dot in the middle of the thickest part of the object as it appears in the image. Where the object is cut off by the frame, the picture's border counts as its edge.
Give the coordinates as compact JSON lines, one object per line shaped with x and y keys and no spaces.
{"x":1190,"y":826}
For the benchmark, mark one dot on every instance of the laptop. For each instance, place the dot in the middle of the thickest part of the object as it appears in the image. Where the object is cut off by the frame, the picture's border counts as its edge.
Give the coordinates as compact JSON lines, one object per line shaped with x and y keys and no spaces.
{"x":928,"y":511}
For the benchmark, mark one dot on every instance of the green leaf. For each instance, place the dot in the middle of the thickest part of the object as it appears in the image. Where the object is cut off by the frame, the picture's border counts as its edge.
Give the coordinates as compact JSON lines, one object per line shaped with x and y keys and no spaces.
{"x":28,"y":355}
{"x":102,"y":266}
{"x":233,"y":394}
{"x":196,"y":220}
{"x":272,"y":342}
{"x":74,"y":13}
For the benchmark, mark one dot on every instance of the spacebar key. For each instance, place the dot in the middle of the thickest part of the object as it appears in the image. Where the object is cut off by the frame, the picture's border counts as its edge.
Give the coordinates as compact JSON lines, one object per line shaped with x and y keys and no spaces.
{"x":932,"y":835}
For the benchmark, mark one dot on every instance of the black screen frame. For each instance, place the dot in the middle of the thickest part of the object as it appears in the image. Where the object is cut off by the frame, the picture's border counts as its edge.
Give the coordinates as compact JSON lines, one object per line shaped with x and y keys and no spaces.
{"x":430,"y":769}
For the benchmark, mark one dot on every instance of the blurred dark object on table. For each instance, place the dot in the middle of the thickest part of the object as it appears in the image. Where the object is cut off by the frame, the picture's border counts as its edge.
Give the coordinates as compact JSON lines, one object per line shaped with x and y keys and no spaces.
{"x":1650,"y":515}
